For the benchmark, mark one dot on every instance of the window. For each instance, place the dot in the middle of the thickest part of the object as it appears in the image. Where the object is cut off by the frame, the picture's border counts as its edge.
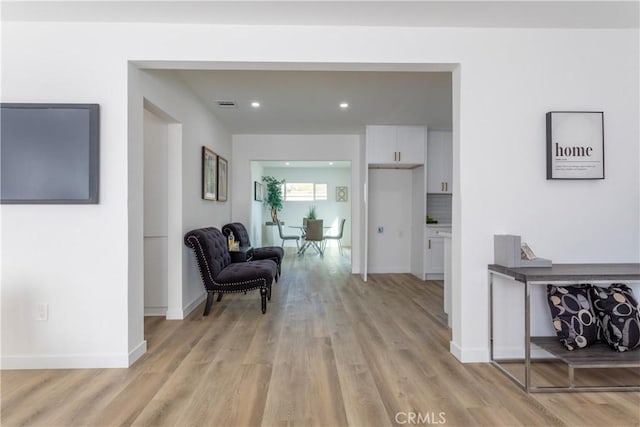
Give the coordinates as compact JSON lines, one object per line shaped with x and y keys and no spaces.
{"x":304,"y":191}
{"x":296,"y":191}
{"x":321,"y":192}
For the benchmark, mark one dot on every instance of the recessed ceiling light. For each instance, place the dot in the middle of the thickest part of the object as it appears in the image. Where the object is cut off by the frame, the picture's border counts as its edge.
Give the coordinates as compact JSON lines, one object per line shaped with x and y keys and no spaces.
{"x":330,"y":163}
{"x":344,"y":105}
{"x":287,"y":163}
{"x":255,"y":104}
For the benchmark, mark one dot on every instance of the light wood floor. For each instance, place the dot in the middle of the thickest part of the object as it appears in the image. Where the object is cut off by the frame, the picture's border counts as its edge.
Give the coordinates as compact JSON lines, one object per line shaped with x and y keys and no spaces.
{"x":331,"y":351}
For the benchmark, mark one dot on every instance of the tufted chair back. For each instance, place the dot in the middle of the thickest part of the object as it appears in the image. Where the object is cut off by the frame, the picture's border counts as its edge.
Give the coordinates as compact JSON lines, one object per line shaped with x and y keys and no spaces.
{"x":212,"y":253}
{"x":239,"y":233}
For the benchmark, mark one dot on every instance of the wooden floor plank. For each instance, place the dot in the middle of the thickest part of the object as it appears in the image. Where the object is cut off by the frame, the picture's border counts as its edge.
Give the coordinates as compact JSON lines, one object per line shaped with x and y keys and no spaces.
{"x":331,"y":350}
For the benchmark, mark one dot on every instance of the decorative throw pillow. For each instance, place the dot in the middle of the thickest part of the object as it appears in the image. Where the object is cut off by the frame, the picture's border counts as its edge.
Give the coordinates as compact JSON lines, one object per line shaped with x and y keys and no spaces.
{"x":617,"y":310}
{"x":572,"y":314}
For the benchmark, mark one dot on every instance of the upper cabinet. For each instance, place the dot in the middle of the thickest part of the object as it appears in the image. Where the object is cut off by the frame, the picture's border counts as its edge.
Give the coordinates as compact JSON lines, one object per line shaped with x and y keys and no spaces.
{"x":401,"y":146}
{"x":439,"y":162}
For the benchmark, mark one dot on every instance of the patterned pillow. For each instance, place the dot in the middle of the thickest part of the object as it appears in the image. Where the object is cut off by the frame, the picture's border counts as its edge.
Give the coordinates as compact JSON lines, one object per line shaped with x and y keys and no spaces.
{"x":572,"y":315}
{"x":617,"y":311}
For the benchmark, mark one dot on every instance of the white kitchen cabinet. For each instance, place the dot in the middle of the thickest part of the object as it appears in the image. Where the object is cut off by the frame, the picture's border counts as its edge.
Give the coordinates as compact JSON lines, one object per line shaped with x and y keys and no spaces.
{"x":434,"y":252}
{"x":439,"y":162}
{"x":396,"y":145}
{"x":434,"y":255}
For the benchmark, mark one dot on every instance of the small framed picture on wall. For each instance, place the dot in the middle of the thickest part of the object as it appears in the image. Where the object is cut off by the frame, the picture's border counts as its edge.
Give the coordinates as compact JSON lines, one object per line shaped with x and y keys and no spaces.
{"x":341,"y":194}
{"x":209,"y":174}
{"x":223,"y":176}
{"x":257,"y":191}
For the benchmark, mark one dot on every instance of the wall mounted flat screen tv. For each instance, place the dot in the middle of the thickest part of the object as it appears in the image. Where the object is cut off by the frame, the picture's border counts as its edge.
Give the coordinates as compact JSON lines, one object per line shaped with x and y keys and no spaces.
{"x":49,"y":153}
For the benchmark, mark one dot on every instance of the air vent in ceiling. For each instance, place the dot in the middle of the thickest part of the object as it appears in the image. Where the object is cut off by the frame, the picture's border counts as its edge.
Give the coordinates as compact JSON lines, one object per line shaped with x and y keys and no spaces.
{"x":226,"y":104}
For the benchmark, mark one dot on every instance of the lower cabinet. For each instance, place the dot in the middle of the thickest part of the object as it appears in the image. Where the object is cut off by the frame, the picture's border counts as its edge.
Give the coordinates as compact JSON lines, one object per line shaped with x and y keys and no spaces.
{"x":434,"y":255}
{"x":434,"y":252}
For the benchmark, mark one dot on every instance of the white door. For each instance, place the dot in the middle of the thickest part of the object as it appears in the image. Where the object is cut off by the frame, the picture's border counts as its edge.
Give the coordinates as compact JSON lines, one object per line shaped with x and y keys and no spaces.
{"x":162,"y":138}
{"x":156,"y":138}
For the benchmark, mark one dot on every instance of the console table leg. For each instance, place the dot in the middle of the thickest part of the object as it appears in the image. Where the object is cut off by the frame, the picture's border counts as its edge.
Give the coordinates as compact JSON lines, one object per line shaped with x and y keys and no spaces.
{"x":571,"y":377}
{"x":527,"y":337}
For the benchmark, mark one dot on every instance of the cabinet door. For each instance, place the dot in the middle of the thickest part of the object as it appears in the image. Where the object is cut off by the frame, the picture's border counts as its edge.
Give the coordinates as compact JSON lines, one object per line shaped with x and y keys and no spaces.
{"x":381,"y":144}
{"x":439,"y":162}
{"x":410,"y":144}
{"x":434,"y":259}
{"x":448,"y":162}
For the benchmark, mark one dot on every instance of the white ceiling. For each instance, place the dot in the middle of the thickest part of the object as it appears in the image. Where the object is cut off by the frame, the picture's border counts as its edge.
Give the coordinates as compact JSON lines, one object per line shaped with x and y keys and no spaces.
{"x":307,"y":102}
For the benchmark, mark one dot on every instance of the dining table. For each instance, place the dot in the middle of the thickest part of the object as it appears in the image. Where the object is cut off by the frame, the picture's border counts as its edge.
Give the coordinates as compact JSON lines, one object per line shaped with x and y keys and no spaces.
{"x":306,"y":243}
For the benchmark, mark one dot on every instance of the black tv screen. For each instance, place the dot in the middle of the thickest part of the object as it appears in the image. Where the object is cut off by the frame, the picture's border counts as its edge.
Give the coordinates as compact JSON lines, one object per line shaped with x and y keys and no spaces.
{"x":49,"y":153}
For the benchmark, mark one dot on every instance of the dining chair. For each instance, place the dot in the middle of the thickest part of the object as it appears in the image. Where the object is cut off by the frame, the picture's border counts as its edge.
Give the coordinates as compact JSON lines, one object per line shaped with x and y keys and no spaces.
{"x":288,"y":236}
{"x":337,"y":237}
{"x":314,"y":235}
{"x":304,"y":226}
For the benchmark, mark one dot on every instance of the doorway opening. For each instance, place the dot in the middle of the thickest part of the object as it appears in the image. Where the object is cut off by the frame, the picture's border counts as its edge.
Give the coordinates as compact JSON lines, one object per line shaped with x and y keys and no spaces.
{"x":323,"y":185}
{"x":162,"y":213}
{"x":358,"y":189}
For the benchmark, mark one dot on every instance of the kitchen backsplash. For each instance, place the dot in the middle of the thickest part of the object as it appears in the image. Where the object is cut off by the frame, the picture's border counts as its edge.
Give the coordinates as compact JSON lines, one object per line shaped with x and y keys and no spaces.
{"x":439,"y":207}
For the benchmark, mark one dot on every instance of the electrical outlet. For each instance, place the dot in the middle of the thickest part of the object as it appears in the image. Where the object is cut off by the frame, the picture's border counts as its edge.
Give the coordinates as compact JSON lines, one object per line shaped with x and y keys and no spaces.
{"x":380,"y":230}
{"x":43,"y":312}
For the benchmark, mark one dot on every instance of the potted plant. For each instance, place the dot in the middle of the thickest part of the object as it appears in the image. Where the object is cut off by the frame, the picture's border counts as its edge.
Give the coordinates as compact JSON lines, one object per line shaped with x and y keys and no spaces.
{"x":312,"y":212}
{"x":274,"y":195}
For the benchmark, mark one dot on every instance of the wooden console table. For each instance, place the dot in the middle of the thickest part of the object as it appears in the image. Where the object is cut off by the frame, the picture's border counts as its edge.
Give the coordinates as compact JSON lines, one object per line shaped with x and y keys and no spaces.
{"x":560,"y":274}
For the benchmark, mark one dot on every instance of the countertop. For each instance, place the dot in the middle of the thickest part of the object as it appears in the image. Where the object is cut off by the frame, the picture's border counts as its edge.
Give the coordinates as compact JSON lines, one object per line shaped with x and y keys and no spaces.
{"x":439,"y":225}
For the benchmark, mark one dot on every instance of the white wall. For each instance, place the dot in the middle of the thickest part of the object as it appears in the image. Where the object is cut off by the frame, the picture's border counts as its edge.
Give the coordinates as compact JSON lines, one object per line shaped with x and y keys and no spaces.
{"x":328,"y":210}
{"x":258,"y":215}
{"x":199,"y":128}
{"x":248,"y":148}
{"x":88,"y":266}
{"x":418,"y":219}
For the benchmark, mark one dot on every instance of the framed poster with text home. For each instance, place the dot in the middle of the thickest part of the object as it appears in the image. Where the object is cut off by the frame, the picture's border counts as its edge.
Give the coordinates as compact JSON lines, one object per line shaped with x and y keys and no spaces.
{"x":575,"y":145}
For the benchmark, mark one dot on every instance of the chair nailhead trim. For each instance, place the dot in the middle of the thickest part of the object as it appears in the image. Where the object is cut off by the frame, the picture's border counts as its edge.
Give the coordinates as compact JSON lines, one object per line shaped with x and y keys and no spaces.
{"x":192,"y":239}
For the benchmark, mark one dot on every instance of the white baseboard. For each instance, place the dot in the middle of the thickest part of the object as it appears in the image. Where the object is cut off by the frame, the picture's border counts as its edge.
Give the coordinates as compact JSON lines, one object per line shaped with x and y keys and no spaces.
{"x":194,"y":304}
{"x":181,"y":314}
{"x":155,"y":311}
{"x":174,"y":314}
{"x":67,"y":361}
{"x":431,"y":276}
{"x":137,"y":352}
{"x":469,"y":355}
{"x":388,"y":270}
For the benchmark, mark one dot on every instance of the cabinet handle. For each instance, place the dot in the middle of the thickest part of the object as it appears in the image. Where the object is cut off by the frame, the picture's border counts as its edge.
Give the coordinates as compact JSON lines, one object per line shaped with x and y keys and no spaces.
{"x":429,"y":243}
{"x":442,"y":186}
{"x":399,"y":154}
{"x":446,"y":186}
{"x":395,"y":156}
